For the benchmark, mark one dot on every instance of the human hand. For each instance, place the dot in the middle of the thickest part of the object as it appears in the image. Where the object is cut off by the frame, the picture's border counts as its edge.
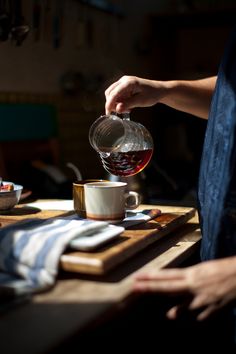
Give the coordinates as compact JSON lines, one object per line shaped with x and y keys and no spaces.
{"x":209,"y":285}
{"x":131,"y":91}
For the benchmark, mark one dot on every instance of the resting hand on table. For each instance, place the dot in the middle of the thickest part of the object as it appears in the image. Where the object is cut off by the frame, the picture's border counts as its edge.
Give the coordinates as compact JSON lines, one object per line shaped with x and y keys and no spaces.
{"x":209,"y":285}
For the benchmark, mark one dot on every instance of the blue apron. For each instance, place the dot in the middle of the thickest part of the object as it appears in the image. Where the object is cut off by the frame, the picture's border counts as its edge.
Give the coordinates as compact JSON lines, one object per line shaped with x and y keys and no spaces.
{"x":217,"y":178}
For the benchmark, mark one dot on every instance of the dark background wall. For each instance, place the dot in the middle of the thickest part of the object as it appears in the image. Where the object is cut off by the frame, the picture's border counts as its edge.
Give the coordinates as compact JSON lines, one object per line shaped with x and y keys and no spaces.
{"x":70,"y":66}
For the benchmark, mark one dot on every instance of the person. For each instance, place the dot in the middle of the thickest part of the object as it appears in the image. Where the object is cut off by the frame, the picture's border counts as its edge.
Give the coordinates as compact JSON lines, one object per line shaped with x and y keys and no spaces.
{"x":207,"y":287}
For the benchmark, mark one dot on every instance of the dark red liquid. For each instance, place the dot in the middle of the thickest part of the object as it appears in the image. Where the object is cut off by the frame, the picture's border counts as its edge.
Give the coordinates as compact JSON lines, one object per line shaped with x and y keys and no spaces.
{"x":127,"y":163}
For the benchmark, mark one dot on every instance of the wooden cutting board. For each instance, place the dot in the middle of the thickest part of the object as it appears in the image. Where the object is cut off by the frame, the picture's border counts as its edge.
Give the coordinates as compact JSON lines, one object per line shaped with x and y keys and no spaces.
{"x":130,"y":242}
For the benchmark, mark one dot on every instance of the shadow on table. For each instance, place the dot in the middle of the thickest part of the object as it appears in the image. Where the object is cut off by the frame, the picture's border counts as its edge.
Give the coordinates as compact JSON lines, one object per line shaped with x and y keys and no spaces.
{"x":139,"y":260}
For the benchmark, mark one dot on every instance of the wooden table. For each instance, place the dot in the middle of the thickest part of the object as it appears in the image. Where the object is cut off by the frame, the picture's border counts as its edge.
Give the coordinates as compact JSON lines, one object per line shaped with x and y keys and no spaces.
{"x":78,"y":300}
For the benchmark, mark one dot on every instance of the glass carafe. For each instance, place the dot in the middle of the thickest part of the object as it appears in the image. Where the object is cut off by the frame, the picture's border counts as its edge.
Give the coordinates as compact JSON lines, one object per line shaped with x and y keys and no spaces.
{"x":125,"y":147}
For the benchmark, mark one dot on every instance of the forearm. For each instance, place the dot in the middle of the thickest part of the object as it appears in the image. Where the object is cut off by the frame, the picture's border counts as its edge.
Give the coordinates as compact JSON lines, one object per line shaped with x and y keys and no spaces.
{"x":192,"y":97}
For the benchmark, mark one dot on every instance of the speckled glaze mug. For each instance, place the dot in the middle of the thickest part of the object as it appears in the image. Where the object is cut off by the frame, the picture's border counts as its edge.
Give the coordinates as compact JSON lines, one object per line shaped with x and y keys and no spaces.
{"x":78,"y":195}
{"x":108,"y":201}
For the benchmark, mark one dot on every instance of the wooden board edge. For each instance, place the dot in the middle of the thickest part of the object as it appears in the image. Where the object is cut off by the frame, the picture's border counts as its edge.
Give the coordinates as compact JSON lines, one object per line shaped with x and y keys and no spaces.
{"x":94,"y":266}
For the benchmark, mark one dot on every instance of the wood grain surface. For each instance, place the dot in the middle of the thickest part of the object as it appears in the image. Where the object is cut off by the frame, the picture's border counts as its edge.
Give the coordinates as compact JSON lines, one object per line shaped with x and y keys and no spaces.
{"x":130,"y":242}
{"x":79,"y":300}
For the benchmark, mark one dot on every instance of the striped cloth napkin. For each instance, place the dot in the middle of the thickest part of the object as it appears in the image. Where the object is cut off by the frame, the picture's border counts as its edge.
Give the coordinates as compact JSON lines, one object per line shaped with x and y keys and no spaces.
{"x":30,"y":251}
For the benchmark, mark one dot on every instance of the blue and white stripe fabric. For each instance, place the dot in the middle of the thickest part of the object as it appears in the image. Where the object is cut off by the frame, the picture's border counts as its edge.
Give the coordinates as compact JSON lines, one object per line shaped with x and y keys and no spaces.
{"x":30,"y":251}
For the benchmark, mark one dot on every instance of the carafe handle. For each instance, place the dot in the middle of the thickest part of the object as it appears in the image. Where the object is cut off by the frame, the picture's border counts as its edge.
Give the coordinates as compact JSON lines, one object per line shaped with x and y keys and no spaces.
{"x":124,"y":116}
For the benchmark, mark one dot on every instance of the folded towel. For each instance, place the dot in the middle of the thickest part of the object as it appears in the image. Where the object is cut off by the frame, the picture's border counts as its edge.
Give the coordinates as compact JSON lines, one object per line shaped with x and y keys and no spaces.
{"x":30,"y":251}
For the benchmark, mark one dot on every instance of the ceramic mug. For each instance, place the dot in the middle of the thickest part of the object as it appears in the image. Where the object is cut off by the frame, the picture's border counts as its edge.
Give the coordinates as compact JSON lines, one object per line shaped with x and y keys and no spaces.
{"x":108,"y":201}
{"x":78,"y":196}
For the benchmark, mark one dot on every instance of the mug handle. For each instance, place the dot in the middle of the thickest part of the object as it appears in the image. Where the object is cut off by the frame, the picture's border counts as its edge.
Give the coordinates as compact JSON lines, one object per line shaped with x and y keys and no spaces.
{"x":132,"y":200}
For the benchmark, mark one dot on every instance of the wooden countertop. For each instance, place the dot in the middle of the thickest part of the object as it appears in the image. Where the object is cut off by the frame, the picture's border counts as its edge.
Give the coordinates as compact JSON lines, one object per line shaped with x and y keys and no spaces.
{"x":77,"y":300}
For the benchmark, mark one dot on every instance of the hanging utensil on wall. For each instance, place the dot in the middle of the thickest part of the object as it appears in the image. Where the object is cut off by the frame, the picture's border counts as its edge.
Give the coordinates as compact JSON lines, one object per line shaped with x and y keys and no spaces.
{"x":47,"y":21}
{"x":58,"y":19}
{"x":90,"y":26}
{"x":36,"y":20}
{"x":81,"y":26}
{"x":19,"y":29}
{"x":5,"y":20}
